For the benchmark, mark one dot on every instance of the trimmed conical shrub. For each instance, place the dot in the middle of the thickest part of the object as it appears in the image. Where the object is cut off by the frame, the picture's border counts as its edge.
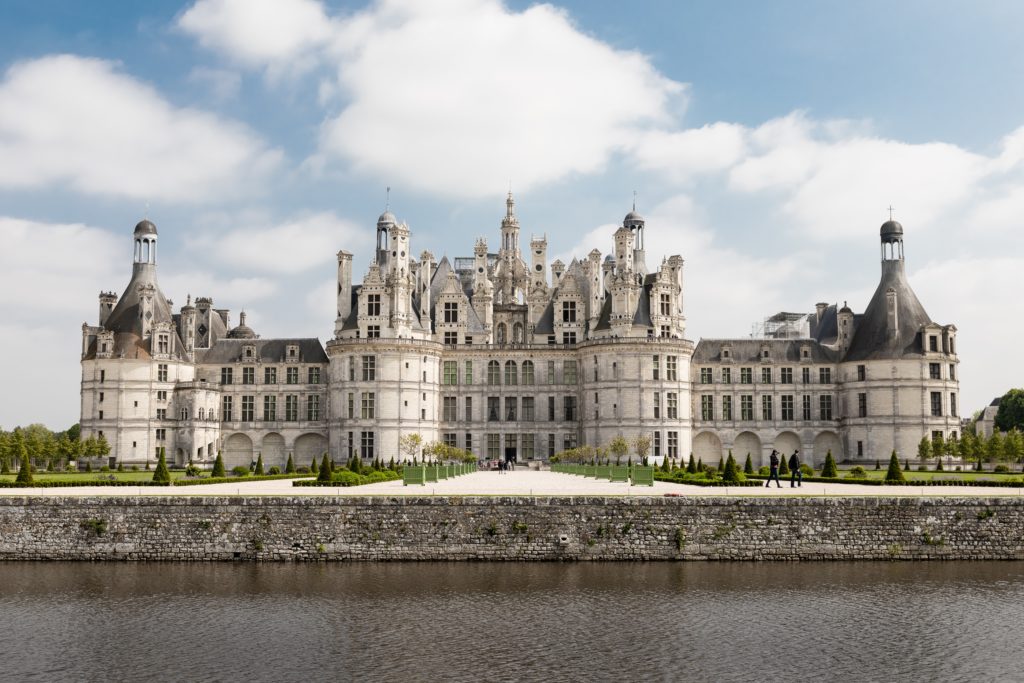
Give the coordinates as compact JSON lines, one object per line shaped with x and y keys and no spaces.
{"x":895,"y":473}
{"x":665,"y":467}
{"x":878,"y":464}
{"x":829,"y":470}
{"x":783,"y":465}
{"x":259,"y":465}
{"x":289,"y":467}
{"x":730,"y":473}
{"x":748,"y":466}
{"x":313,"y":467}
{"x":325,"y":470}
{"x":721,"y":465}
{"x":25,"y":471}
{"x":218,"y":466}
{"x":700,"y":465}
{"x":691,"y":467}
{"x":161,"y":475}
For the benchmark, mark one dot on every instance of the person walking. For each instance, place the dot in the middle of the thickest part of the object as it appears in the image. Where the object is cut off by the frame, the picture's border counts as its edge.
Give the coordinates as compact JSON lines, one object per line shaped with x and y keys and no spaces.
{"x":796,"y":477}
{"x":773,"y":471}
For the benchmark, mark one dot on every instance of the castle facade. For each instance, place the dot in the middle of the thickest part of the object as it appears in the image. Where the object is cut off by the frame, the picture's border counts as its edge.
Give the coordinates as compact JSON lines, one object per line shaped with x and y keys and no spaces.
{"x":506,"y":355}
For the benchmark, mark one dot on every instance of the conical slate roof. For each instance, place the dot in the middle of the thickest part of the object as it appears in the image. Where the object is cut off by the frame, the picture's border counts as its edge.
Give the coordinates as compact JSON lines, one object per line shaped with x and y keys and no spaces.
{"x":871,"y":339}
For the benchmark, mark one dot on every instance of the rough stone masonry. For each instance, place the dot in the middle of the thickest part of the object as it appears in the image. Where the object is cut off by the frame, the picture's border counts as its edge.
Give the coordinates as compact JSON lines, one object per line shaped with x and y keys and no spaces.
{"x":509,"y":528}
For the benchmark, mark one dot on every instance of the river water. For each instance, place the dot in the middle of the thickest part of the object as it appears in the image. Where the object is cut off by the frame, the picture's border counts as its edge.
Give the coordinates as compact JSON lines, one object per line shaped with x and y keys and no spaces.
{"x":935,"y":621}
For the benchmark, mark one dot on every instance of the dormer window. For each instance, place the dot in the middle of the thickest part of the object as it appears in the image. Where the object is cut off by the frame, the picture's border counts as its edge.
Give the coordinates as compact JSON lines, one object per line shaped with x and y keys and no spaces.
{"x":292,"y":352}
{"x":249,"y":352}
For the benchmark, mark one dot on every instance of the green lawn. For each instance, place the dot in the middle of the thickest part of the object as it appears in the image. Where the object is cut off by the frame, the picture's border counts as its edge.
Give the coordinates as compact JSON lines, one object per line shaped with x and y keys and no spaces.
{"x":932,"y":474}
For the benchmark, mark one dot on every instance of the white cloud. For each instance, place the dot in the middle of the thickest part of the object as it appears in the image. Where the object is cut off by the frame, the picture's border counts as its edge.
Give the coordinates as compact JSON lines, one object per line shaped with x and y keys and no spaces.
{"x":681,"y":154}
{"x":67,"y":119}
{"x":322,"y":301}
{"x":282,"y":34}
{"x":227,"y":292}
{"x":41,"y":374}
{"x":222,"y":84}
{"x":292,"y":246}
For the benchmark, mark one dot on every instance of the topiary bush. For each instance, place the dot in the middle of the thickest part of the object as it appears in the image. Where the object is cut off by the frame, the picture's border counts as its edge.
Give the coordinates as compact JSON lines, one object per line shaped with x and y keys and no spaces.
{"x":748,"y":466}
{"x":895,"y":474}
{"x":289,"y":467}
{"x":161,"y":475}
{"x":829,"y":470}
{"x":218,"y":466}
{"x":274,"y":470}
{"x":857,"y":472}
{"x":240,"y":471}
{"x":259,"y":466}
{"x":1000,"y":469}
{"x":192,"y":471}
{"x":730,"y":472}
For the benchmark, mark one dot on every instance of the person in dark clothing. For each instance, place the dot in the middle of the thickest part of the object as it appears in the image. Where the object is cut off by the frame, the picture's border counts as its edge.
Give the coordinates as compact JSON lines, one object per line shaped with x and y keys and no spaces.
{"x":796,"y":477}
{"x":773,"y":472}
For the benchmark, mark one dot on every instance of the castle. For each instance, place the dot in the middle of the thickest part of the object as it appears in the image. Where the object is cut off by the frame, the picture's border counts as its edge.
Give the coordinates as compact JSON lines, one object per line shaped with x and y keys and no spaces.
{"x":507,"y":356}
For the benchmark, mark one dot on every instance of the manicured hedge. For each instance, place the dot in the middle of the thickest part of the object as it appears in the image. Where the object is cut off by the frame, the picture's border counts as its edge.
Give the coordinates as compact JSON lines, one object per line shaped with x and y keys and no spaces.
{"x":235,"y":480}
{"x":911,"y":482}
{"x":349,"y":478}
{"x":661,"y":476}
{"x":177,"y":482}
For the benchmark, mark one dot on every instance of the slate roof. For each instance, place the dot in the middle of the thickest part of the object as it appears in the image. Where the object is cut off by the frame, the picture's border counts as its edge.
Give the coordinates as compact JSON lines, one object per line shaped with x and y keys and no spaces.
{"x":749,"y":350}
{"x":267,"y":350}
{"x":871,"y":339}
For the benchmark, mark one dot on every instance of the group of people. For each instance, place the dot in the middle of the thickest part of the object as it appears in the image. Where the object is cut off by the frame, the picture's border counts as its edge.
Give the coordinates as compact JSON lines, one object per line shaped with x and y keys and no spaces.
{"x":796,"y":477}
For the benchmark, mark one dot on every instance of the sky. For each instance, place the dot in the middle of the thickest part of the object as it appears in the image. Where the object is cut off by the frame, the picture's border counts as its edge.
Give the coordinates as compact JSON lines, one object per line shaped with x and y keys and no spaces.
{"x":764,"y":142}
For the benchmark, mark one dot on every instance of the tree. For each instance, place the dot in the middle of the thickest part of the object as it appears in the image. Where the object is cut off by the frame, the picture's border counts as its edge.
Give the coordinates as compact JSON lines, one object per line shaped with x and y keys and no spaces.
{"x":642,"y":445}
{"x":1013,"y":445}
{"x":25,"y":470}
{"x":218,"y":466}
{"x":410,"y":445}
{"x":924,"y":449}
{"x":313,"y":467}
{"x":1011,"y":411}
{"x":721,"y":464}
{"x":259,"y":465}
{"x":691,"y":467}
{"x":938,"y":446}
{"x":618,"y":447}
{"x":748,"y":466}
{"x":894,"y":474}
{"x":325,"y":470}
{"x":730,"y":473}
{"x":994,"y":447}
{"x":289,"y":467}
{"x":161,"y":475}
{"x":783,"y":465}
{"x":829,"y":470}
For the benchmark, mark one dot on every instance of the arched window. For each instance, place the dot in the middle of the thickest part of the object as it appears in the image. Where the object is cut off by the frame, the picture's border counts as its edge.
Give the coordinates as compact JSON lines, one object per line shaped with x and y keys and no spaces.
{"x":511,"y":373}
{"x":502,"y":333}
{"x":528,"y":372}
{"x":517,"y":333}
{"x":493,"y":372}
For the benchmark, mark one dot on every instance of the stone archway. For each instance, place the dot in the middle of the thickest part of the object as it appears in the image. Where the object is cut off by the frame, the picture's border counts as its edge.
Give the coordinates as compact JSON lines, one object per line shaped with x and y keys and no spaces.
{"x":307,"y":447}
{"x":748,"y":442}
{"x":273,"y":450}
{"x":237,"y":451}
{"x":786,"y":443}
{"x":825,"y":442}
{"x":707,"y":447}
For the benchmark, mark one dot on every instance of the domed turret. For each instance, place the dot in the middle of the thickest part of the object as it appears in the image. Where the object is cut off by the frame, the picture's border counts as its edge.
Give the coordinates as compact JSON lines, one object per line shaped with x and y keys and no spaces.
{"x":145,"y":227}
{"x":387,"y":218}
{"x":891,"y":231}
{"x":243,"y":331}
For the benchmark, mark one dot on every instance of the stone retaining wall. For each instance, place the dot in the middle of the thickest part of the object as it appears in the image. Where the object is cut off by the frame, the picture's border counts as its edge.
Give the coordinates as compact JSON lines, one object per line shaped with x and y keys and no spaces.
{"x":509,"y":528}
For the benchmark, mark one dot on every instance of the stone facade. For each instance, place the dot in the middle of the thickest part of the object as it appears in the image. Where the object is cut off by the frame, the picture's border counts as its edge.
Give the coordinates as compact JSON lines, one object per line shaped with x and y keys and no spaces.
{"x":489,"y":528}
{"x":507,"y":356}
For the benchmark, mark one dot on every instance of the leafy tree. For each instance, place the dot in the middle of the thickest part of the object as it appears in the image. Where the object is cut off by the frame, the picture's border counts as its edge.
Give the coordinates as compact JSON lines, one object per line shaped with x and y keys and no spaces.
{"x":25,"y":470}
{"x":618,"y":447}
{"x":642,"y":445}
{"x":924,"y":449}
{"x":289,"y":467}
{"x":938,"y":446}
{"x":691,"y":467}
{"x":409,"y":445}
{"x":325,"y":470}
{"x":161,"y":474}
{"x":730,"y":473}
{"x":1011,"y":411}
{"x":748,"y":466}
{"x":74,"y":432}
{"x":994,"y":447}
{"x":218,"y":466}
{"x":894,"y":473}
{"x":259,"y":464}
{"x":829,"y":470}
{"x":1013,"y":445}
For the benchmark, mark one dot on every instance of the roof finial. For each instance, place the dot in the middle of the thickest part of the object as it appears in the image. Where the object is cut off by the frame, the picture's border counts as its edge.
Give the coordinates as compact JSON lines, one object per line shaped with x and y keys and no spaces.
{"x":890,"y":211}
{"x":387,"y":199}
{"x":634,"y":200}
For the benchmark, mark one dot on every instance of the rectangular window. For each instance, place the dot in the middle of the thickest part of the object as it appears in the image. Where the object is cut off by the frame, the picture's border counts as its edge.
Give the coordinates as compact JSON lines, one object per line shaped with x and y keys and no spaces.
{"x":313,"y":408}
{"x":226,"y":404}
{"x":805,"y":375}
{"x":291,"y":408}
{"x":248,"y":408}
{"x":101,"y":397}
{"x":161,"y":372}
{"x":657,"y":444}
{"x":450,"y":408}
{"x":528,"y":372}
{"x":292,"y":376}
{"x":270,"y":375}
{"x":934,"y":371}
{"x":161,"y":414}
{"x":103,"y":375}
{"x":746,"y":408}
{"x":673,"y":444}
{"x":705,"y":376}
{"x":469,"y":442}
{"x":451,"y":372}
{"x":766,"y":408}
{"x":862,"y":405}
{"x":467,"y":375}
{"x":825,"y":375}
{"x":161,"y":435}
{"x":664,"y":304}
{"x":726,"y":375}
{"x":494,"y":446}
{"x":451,"y":311}
{"x":373,"y":304}
{"x":511,"y":373}
{"x":225,"y":375}
{"x":369,"y":368}
{"x":936,"y":403}
{"x":451,"y":439}
{"x":862,"y":373}
{"x":786,"y":375}
{"x":672,"y":405}
{"x":468,"y":340}
{"x":787,"y":407}
{"x":746,"y":375}
{"x":367,"y":405}
{"x":952,"y":404}
{"x":825,"y":407}
{"x":366,"y":445}
{"x":569,"y":372}
{"x":656,"y":368}
{"x":860,"y":449}
{"x":727,"y":407}
{"x":952,"y":371}
{"x":526,"y":446}
{"x":807,"y":407}
{"x":570,"y":408}
{"x":469,"y":409}
{"x":551,"y":445}
{"x":313,"y":376}
{"x":568,"y":337}
{"x":373,"y":331}
{"x":248,"y":375}
{"x":551,"y":408}
{"x":569,"y":441}
{"x":269,"y":408}
{"x":451,"y":338}
{"x":493,"y":408}
{"x":670,"y":368}
{"x":511,"y":404}
{"x":528,"y":408}
{"x":766,"y":375}
{"x":351,"y":405}
{"x":707,"y":407}
{"x":568,"y":311}
{"x":657,"y":405}
{"x":933,"y":343}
